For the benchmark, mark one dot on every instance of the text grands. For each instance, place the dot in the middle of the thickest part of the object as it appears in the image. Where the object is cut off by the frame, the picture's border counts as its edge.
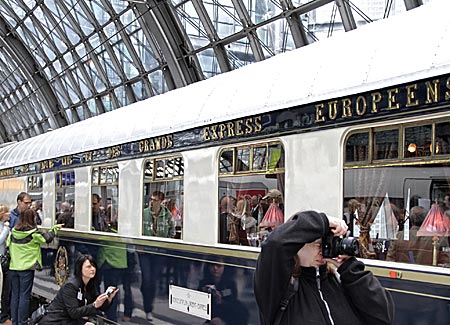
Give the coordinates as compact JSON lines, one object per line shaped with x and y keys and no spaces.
{"x":391,"y":99}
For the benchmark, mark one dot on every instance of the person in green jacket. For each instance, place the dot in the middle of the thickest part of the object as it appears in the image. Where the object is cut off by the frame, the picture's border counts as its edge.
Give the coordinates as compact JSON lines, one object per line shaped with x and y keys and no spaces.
{"x":25,"y":249}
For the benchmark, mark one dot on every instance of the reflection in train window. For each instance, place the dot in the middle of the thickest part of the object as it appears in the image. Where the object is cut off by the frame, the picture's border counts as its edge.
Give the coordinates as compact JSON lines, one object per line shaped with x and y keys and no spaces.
{"x":251,"y":187}
{"x":162,"y":213}
{"x":442,"y":146}
{"x":393,"y":206}
{"x":105,"y":198}
{"x":385,"y":144}
{"x":418,"y":141}
{"x":357,"y":147}
{"x":65,"y":198}
{"x":35,"y":192}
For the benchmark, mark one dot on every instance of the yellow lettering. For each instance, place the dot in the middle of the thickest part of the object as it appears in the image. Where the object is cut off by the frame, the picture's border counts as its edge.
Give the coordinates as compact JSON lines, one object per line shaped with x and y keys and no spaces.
{"x":332,"y":109}
{"x":214,"y":132}
{"x":319,"y":113}
{"x":361,"y":105}
{"x":222,"y":128}
{"x":206,"y":134}
{"x":392,"y":104}
{"x":230,"y":129}
{"x":248,"y":126}
{"x":411,"y":95}
{"x":170,"y":141}
{"x":346,"y":107}
{"x":376,"y":98}
{"x":258,"y":125}
{"x":239,"y":127}
{"x":432,"y":91}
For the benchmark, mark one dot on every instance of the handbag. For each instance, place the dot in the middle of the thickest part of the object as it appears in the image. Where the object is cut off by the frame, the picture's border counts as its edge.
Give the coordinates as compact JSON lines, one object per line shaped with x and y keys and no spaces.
{"x":4,"y":260}
{"x":38,"y":314}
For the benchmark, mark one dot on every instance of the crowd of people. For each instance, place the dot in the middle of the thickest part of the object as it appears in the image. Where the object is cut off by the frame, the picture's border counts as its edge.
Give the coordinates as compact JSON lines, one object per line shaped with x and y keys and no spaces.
{"x":248,"y":220}
{"x":290,"y":253}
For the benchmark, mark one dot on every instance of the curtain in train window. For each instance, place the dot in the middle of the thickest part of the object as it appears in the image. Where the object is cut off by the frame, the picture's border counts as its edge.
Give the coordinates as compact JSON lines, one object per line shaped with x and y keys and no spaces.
{"x":162,"y":214}
{"x":251,"y":191}
{"x":105,"y":198}
{"x":65,"y":198}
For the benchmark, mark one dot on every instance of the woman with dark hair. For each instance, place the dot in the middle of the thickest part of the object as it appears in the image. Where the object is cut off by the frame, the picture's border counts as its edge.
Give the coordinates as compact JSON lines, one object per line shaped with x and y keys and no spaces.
{"x":25,"y":249}
{"x":78,"y":298}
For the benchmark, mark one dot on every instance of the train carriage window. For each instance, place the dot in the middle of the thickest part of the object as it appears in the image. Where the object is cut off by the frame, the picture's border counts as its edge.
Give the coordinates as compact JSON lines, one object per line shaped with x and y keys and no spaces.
{"x":105,"y":198}
{"x":65,"y":198}
{"x":34,"y":185}
{"x":251,"y":187}
{"x":357,"y":147}
{"x":391,"y":205}
{"x":418,"y":141}
{"x":385,"y":144}
{"x":442,"y":144}
{"x":162,"y":213}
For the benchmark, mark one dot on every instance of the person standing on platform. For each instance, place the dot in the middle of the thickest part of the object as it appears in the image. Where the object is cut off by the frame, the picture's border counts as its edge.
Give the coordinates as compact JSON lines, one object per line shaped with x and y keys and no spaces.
{"x":23,"y":202}
{"x":25,"y":249}
{"x":294,"y":285}
{"x":5,"y":287}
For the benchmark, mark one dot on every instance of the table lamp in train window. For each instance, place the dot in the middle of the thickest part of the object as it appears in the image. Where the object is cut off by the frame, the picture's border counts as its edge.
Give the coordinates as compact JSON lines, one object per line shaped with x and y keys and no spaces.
{"x":436,"y":224}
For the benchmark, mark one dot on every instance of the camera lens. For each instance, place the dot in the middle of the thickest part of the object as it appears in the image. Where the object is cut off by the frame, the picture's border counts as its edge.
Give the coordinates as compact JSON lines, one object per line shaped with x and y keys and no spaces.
{"x":349,"y":246}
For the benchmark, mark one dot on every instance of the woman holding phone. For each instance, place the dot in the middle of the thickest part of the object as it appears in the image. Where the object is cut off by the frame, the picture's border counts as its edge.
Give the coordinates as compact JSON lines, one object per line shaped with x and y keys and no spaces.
{"x":78,"y":299}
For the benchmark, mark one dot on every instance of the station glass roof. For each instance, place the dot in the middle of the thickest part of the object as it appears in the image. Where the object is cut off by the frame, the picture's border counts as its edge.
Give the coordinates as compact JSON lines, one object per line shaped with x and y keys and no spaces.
{"x":63,"y":61}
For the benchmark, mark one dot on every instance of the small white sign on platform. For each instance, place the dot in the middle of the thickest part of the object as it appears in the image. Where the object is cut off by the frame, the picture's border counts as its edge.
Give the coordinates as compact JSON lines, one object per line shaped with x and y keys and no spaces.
{"x":192,"y":302}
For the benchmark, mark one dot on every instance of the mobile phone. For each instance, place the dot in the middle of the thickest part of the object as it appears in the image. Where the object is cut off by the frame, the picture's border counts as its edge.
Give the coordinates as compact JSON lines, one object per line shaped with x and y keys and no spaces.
{"x":110,"y":290}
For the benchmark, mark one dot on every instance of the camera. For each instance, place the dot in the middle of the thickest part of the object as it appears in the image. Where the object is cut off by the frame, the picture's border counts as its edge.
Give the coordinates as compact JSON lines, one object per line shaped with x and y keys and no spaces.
{"x":334,"y":246}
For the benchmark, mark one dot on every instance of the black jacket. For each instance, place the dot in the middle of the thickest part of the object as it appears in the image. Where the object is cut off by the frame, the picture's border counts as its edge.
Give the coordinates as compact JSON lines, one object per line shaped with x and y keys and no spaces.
{"x":358,"y":298}
{"x":72,"y":303}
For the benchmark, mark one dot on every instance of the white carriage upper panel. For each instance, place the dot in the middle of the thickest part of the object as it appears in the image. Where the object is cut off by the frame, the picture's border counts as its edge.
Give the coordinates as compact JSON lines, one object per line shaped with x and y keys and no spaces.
{"x":402,"y":48}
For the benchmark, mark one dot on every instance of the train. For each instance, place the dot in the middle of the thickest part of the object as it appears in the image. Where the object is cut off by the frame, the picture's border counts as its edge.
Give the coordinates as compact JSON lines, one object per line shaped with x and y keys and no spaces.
{"x":361,"y":117}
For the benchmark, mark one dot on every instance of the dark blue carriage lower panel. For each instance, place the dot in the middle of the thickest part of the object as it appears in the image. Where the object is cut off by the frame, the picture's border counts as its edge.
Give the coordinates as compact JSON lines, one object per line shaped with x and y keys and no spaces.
{"x":143,"y":275}
{"x":144,"y":269}
{"x":419,"y":303}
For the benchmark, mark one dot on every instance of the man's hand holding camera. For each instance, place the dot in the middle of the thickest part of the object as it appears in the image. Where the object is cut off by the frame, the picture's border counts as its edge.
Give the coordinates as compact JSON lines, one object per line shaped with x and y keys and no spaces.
{"x":336,"y":250}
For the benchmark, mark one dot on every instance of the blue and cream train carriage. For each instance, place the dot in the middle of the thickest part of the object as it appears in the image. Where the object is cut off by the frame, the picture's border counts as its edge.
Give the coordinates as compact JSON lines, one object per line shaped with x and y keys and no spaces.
{"x":362,"y":119}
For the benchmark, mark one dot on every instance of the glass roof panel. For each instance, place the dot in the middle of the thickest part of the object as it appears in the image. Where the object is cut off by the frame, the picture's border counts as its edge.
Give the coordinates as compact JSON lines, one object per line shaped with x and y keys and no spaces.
{"x":80,"y":17}
{"x":139,"y":90}
{"x":91,"y":69}
{"x":224,"y":17}
{"x":192,"y":24}
{"x":125,"y":60}
{"x":119,"y":6}
{"x":111,"y":33}
{"x":99,"y":11}
{"x":16,"y":8}
{"x":6,"y":13}
{"x":158,"y":82}
{"x":144,"y":50}
{"x":105,"y":62}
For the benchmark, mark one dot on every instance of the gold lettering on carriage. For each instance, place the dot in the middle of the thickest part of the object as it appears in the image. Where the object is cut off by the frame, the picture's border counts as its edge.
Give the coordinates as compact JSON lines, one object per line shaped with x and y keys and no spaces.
{"x":67,"y":160}
{"x":46,"y":164}
{"x":358,"y":106}
{"x":7,"y":172}
{"x":156,"y":143}
{"x":232,"y":129}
